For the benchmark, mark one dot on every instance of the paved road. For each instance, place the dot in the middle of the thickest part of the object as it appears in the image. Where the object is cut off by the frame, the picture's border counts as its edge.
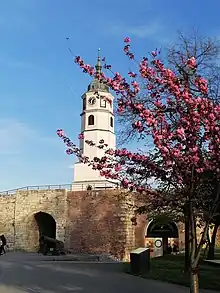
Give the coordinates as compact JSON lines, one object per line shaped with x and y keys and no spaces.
{"x":21,"y":273}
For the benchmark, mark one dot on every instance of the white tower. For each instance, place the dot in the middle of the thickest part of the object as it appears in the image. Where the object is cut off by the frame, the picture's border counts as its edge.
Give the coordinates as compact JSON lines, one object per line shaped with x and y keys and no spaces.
{"x":97,"y":123}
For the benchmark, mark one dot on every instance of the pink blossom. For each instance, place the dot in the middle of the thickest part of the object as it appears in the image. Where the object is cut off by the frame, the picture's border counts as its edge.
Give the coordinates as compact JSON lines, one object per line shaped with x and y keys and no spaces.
{"x":118,"y":167}
{"x":180,"y":132}
{"x":125,"y":183}
{"x":81,"y":136}
{"x":135,"y":84}
{"x":127,"y":40}
{"x":60,"y":132}
{"x":211,"y":116}
{"x":191,"y":62}
{"x":132,"y":74}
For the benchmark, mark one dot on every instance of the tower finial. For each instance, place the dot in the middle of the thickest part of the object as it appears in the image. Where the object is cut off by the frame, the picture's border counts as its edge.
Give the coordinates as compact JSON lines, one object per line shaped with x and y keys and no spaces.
{"x":98,"y":65}
{"x":96,"y":84}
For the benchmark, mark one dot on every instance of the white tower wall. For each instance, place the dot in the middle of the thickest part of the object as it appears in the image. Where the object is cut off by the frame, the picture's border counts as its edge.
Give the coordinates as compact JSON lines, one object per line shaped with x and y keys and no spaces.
{"x":97,"y":123}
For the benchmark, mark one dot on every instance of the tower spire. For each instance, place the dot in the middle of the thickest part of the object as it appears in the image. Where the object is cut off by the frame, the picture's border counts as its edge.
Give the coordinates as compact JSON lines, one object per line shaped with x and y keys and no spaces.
{"x":98,"y":65}
{"x":96,"y":85}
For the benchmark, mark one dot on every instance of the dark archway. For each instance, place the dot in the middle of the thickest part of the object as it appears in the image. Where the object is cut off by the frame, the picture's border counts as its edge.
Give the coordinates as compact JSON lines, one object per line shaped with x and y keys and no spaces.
{"x":165,"y":229}
{"x":46,"y":224}
{"x":161,"y":230}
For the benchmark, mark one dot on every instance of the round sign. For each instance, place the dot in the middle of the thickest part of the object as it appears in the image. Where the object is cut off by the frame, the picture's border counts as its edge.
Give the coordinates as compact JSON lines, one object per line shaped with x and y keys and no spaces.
{"x":158,"y":243}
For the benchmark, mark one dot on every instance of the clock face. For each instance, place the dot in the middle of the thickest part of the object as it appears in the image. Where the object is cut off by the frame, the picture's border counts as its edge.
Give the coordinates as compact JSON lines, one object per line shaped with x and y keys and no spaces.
{"x":92,"y":100}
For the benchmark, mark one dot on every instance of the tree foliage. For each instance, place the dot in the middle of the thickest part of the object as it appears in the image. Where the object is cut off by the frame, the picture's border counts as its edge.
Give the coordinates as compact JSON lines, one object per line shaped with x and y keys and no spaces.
{"x":205,"y":50}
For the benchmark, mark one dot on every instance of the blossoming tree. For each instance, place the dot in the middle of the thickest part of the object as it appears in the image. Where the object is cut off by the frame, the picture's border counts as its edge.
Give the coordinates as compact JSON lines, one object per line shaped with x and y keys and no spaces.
{"x":206,"y":51}
{"x":185,"y":128}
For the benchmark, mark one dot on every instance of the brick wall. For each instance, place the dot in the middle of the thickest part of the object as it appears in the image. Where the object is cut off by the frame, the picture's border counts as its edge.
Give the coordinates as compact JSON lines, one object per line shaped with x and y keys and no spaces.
{"x":217,"y":243}
{"x":142,"y":222}
{"x":100,"y":221}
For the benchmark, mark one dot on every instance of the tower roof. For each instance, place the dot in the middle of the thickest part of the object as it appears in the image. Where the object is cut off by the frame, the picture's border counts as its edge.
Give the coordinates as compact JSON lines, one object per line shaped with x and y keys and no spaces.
{"x":96,"y":85}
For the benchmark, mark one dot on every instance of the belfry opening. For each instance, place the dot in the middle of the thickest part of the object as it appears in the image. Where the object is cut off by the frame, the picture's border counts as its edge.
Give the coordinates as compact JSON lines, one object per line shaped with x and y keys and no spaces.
{"x":46,"y":224}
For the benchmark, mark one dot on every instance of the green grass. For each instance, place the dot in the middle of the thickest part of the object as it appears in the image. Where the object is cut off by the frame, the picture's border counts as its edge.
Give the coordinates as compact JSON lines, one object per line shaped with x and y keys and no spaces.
{"x":170,"y":269}
{"x":217,"y":255}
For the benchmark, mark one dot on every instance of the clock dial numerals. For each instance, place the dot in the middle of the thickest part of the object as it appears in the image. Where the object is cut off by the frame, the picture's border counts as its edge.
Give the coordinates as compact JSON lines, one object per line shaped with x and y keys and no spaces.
{"x":92,"y":101}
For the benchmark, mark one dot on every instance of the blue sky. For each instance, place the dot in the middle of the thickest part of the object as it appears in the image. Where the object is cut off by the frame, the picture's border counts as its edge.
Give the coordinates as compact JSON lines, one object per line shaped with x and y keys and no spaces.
{"x":40,"y":86}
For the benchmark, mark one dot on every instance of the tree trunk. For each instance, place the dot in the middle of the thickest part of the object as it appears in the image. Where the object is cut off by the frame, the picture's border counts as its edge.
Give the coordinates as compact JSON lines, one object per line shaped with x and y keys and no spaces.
{"x":187,"y":246}
{"x":196,"y":250}
{"x":194,"y":277}
{"x":194,"y":257}
{"x":211,"y":253}
{"x":195,"y":229}
{"x":207,"y":245}
{"x":194,"y":280}
{"x":187,"y":238}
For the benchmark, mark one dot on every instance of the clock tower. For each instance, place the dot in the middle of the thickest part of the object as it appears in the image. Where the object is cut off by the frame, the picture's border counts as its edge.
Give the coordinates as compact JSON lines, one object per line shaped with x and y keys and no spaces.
{"x":97,"y":123}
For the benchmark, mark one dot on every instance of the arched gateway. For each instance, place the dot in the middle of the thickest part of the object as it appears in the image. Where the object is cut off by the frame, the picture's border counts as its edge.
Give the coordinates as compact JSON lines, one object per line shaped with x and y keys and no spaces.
{"x":160,"y":233}
{"x":46,"y":224}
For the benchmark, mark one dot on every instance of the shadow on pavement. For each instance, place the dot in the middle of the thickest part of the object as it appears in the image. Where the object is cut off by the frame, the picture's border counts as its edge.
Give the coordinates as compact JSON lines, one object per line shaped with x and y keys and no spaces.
{"x":60,"y":277}
{"x":19,"y":275}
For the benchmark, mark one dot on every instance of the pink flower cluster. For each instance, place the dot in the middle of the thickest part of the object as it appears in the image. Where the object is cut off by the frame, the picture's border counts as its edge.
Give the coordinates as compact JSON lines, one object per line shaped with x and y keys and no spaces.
{"x":81,"y":136}
{"x":191,"y":63}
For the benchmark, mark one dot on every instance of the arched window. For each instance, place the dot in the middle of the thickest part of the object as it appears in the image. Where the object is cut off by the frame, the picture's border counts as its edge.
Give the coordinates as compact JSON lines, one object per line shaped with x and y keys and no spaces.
{"x":102,"y":103}
{"x":111,"y":121}
{"x":91,"y":120}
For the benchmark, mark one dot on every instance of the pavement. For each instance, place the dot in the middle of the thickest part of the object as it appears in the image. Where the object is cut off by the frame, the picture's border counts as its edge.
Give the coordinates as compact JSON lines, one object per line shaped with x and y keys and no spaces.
{"x":32,"y":273}
{"x":213,"y":262}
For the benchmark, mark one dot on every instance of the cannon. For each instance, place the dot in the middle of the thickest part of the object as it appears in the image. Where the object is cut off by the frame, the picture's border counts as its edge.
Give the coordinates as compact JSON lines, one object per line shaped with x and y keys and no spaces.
{"x":51,"y":245}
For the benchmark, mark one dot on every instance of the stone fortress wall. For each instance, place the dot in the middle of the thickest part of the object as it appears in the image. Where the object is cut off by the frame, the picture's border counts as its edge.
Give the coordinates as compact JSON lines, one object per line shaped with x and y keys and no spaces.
{"x":87,"y":221}
{"x":17,"y":216}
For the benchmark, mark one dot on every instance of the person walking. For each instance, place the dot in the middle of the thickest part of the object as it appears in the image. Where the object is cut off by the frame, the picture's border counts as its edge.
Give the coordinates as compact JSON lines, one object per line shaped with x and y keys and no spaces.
{"x":3,"y":244}
{"x":175,"y":248}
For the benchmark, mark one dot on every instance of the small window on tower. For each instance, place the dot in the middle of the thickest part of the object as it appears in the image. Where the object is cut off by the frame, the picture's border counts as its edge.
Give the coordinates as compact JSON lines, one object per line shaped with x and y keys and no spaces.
{"x":102,"y":102}
{"x":91,"y":120}
{"x":84,"y":104}
{"x":111,"y":121}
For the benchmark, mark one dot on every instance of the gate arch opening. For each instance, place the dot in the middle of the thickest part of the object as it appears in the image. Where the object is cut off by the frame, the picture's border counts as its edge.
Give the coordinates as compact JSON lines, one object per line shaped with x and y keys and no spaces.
{"x":162,"y":233}
{"x":159,"y":230}
{"x":46,"y":224}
